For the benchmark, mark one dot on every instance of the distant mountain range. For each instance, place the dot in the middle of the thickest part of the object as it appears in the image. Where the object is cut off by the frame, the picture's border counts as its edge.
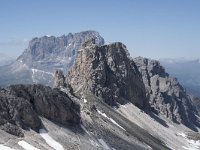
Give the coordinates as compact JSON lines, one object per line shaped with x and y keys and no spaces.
{"x":44,"y":56}
{"x":187,"y":71}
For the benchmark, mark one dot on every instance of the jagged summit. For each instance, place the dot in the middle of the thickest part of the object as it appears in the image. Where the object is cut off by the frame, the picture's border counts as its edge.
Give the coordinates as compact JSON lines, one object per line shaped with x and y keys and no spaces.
{"x":107,"y":72}
{"x":166,"y":96}
{"x":43,"y":56}
{"x":98,"y":97}
{"x":56,"y":50}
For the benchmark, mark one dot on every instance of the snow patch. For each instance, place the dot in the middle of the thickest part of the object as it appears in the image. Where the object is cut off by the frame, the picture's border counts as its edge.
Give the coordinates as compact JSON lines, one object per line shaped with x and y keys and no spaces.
{"x":113,"y":121}
{"x":105,"y":146}
{"x":182,"y":134}
{"x":27,"y":146}
{"x":50,"y":141}
{"x":41,"y":71}
{"x":80,"y":50}
{"x":149,"y":147}
{"x":191,"y":144}
{"x":94,"y":143}
{"x":2,"y":147}
{"x":85,"y":100}
{"x":86,"y":131}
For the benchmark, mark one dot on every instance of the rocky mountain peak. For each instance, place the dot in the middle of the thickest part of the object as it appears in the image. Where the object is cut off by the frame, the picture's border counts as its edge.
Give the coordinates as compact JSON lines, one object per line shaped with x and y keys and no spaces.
{"x":44,"y":56}
{"x":107,"y":72}
{"x":166,"y":96}
{"x":51,"y":49}
{"x":154,"y":66}
{"x":90,"y":42}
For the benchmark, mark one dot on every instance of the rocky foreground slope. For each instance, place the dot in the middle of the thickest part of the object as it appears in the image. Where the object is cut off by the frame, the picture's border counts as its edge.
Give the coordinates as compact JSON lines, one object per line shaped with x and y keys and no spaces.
{"x":21,"y":106}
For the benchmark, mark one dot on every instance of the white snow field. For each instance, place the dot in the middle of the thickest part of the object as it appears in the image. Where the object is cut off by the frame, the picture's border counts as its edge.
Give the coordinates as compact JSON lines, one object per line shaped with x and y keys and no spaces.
{"x":3,"y":147}
{"x":113,"y":121}
{"x":50,"y":141}
{"x":27,"y":146}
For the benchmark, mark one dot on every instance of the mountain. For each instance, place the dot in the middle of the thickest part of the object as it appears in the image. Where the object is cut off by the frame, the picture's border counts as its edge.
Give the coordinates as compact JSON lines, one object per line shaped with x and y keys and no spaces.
{"x":166,"y":95}
{"x":189,"y":76}
{"x":43,"y":56}
{"x":105,"y":101}
{"x":107,"y":72}
{"x":102,"y":78}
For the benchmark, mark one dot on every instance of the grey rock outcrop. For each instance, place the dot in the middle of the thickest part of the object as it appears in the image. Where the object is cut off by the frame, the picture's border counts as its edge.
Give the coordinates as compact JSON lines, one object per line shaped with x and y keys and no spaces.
{"x":196,"y":103}
{"x":107,"y":72}
{"x":59,"y":79}
{"x":21,"y":106}
{"x":166,"y":96}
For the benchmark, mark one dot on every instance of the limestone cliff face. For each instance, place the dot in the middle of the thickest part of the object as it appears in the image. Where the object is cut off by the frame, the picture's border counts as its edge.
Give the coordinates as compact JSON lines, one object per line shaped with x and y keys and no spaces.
{"x":166,"y":95}
{"x":106,"y":71}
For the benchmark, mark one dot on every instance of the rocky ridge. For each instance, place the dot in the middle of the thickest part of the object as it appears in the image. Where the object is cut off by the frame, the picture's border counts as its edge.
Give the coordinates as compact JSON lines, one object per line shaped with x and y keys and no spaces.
{"x":43,"y":56}
{"x":166,"y":96}
{"x":102,"y":78}
{"x":22,"y":105}
{"x":107,"y":72}
{"x":50,"y":52}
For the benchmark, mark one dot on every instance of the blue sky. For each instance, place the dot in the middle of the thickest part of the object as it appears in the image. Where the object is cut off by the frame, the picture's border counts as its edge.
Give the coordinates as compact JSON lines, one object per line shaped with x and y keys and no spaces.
{"x":149,"y":28}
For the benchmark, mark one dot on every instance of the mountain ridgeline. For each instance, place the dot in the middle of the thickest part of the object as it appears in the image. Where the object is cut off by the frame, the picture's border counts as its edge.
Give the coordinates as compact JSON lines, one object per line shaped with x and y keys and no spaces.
{"x":101,"y":98}
{"x":166,"y":96}
{"x":108,"y":72}
{"x":43,"y":56}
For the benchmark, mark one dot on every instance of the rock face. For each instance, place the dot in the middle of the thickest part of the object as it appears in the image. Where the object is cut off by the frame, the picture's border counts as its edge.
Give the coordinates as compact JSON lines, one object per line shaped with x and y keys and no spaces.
{"x":107,"y":72}
{"x":43,"y":56}
{"x":189,"y":77}
{"x":196,"y":103}
{"x":21,"y":106}
{"x":166,"y":95}
{"x":59,"y":79}
{"x":49,"y":52}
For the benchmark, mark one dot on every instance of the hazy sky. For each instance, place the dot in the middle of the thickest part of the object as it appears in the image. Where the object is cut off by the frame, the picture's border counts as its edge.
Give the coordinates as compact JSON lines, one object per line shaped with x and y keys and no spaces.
{"x":150,"y":28}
